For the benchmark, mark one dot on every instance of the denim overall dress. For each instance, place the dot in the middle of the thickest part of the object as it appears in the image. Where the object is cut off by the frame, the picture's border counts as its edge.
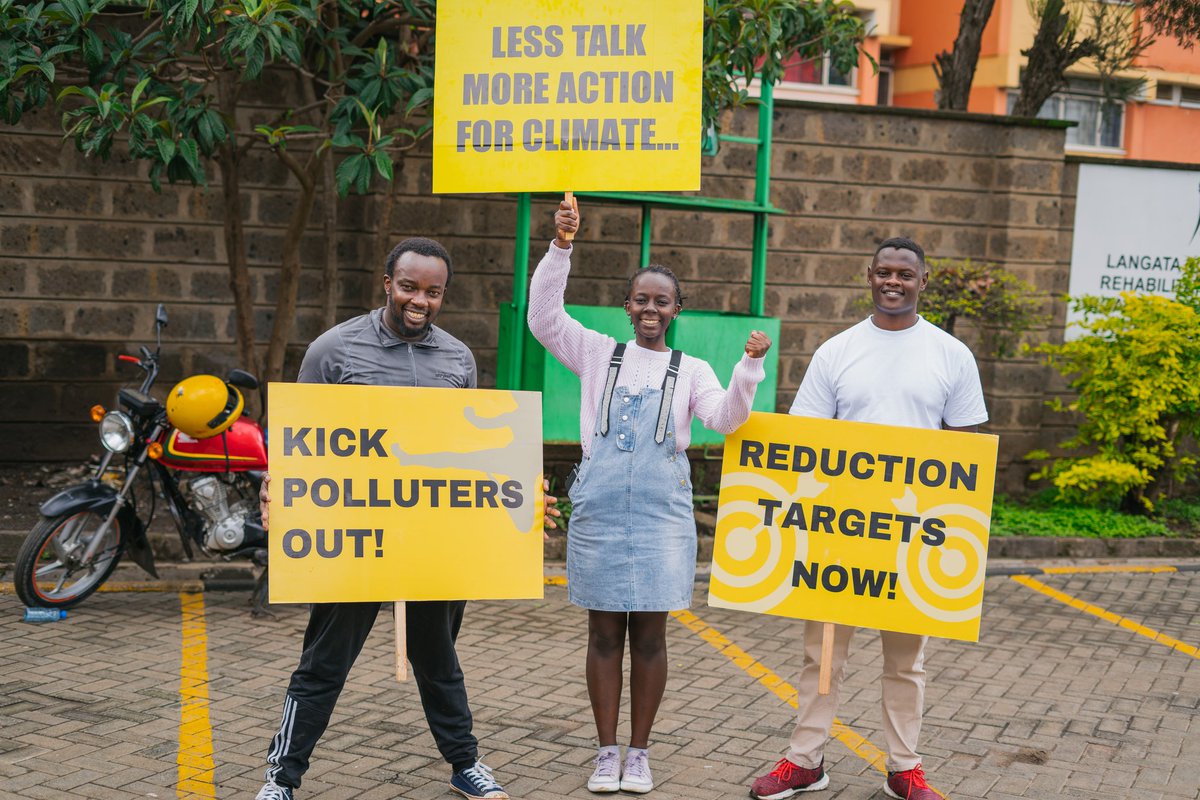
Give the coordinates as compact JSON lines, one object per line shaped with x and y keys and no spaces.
{"x":631,"y":541}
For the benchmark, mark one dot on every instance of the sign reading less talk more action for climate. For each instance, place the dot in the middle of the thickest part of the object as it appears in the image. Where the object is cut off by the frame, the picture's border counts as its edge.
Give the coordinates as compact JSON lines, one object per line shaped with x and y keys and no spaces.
{"x":859,"y":524}
{"x":555,"y":95}
{"x":398,"y":493}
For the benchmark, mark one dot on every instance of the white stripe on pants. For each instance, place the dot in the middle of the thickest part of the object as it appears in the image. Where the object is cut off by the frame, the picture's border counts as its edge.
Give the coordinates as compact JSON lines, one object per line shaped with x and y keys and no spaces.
{"x":903,"y":685}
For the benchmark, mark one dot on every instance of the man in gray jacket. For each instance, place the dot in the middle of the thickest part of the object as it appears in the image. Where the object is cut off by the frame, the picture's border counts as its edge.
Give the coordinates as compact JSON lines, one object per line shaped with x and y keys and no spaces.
{"x":396,"y":345}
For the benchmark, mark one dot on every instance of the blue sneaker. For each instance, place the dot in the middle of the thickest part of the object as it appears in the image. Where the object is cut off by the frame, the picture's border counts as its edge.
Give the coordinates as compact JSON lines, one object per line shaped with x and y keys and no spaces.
{"x":477,"y":783}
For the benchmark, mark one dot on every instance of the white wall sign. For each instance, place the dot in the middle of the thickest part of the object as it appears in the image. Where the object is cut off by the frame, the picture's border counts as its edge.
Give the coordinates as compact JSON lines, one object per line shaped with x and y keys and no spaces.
{"x":1135,"y":227}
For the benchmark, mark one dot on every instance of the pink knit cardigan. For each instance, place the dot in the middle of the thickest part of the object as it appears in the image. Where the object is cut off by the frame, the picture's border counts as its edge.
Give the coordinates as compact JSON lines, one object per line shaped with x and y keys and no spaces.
{"x":586,"y":353}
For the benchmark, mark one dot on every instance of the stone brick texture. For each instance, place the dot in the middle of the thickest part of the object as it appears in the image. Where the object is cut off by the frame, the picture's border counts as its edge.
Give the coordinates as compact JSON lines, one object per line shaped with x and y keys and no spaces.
{"x":87,"y":250}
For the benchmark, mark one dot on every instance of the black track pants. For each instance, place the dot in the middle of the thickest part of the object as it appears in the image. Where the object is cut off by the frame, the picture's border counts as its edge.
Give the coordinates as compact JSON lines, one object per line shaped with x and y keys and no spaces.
{"x":335,"y":636}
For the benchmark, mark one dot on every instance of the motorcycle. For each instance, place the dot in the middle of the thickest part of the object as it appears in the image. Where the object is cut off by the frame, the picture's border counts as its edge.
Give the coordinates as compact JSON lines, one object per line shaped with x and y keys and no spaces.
{"x":195,"y":452}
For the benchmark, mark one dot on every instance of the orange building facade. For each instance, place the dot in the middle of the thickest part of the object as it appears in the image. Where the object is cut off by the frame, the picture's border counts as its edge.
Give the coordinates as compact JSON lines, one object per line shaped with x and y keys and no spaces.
{"x":1161,"y":122}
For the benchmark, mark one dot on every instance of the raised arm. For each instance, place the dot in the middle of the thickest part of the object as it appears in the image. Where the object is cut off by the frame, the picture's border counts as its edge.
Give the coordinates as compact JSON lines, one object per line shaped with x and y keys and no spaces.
{"x":725,"y":411}
{"x":566,"y":339}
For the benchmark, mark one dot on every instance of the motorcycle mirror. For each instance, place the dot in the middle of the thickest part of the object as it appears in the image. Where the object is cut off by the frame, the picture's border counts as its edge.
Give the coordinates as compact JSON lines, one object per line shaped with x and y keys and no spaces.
{"x":160,"y":316}
{"x":242,"y":379}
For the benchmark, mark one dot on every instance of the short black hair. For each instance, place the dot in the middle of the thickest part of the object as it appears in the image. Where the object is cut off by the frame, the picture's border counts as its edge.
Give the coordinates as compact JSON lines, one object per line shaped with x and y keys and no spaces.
{"x":901,"y":243}
{"x":661,"y":270}
{"x":422,"y":247}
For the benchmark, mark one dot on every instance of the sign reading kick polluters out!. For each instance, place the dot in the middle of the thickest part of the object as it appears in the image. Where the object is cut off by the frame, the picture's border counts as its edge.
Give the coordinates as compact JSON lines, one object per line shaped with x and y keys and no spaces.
{"x":555,"y":95}
{"x":404,"y":493}
{"x":854,"y":523}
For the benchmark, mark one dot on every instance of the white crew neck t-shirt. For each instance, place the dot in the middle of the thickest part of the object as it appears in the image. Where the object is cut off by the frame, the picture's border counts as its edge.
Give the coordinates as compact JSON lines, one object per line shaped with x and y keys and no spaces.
{"x":919,"y":377}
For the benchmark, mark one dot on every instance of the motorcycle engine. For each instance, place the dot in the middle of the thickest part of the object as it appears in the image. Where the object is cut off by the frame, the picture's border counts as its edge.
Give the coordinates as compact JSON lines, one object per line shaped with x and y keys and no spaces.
{"x":223,"y":508}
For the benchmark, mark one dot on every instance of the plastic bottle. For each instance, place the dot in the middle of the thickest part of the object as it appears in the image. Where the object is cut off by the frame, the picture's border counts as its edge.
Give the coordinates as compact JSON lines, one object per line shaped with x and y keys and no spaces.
{"x":44,"y":614}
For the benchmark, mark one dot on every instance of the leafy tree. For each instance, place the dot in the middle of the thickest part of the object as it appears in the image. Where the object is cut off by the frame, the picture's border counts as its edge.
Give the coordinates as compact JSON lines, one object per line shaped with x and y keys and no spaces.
{"x":1069,"y":31}
{"x":1178,"y":18}
{"x":955,"y":70}
{"x":1057,"y":45}
{"x":1004,"y":305}
{"x":167,"y":81}
{"x":758,"y":37}
{"x":1135,"y":378}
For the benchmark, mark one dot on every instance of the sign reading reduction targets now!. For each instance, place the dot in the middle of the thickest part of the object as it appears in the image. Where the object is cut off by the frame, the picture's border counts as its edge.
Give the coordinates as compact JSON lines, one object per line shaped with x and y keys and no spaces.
{"x":399,"y":493}
{"x":556,"y":95}
{"x":859,"y":524}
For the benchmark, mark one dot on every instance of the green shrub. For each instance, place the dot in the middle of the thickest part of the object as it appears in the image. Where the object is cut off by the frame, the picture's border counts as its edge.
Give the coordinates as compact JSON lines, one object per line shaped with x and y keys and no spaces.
{"x":1005,"y":306}
{"x":1136,"y":372}
{"x":1012,"y":519}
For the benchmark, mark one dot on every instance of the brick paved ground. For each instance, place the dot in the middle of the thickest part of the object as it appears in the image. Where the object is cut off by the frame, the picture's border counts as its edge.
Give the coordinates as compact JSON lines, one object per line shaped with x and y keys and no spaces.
{"x":1052,"y":703}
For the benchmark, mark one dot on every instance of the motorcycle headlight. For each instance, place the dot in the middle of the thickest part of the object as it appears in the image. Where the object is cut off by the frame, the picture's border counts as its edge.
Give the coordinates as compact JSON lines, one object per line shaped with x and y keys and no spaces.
{"x":116,"y":432}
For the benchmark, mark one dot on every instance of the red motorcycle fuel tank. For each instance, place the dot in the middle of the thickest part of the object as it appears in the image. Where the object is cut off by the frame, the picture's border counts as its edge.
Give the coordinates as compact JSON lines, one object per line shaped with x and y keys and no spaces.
{"x":247,"y":450}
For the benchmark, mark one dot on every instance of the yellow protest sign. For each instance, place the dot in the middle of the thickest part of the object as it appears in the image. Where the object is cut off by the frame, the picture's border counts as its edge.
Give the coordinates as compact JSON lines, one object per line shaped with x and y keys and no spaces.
{"x":551,"y":95}
{"x":854,"y":523}
{"x":401,"y":493}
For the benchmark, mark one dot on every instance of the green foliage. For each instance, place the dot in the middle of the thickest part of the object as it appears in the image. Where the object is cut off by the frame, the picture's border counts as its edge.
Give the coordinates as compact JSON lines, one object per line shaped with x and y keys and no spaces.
{"x":371,"y":64}
{"x":1178,"y":18}
{"x":1063,"y":520}
{"x":1135,"y":373}
{"x":1005,"y":306}
{"x":757,"y":37}
{"x":171,"y":82}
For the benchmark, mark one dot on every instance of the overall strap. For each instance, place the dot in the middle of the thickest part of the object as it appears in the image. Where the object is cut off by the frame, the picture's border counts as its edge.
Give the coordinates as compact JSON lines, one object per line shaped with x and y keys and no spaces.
{"x":614,"y":366}
{"x":668,"y":392}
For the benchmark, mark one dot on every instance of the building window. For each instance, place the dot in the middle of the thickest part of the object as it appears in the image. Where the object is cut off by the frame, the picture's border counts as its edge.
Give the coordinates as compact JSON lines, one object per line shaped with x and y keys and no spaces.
{"x":1101,"y":121}
{"x":887,"y":71}
{"x":1174,"y":94}
{"x":817,"y":72}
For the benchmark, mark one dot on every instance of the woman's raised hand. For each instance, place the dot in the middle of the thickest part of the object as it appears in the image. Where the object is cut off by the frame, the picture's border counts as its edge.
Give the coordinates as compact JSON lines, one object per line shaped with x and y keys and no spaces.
{"x":758,"y":344}
{"x":566,"y":223}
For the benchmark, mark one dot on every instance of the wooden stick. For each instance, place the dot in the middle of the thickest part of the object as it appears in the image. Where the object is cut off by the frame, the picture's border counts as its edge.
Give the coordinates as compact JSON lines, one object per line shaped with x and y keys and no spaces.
{"x":570,"y":198}
{"x":401,"y":617}
{"x":825,"y":678}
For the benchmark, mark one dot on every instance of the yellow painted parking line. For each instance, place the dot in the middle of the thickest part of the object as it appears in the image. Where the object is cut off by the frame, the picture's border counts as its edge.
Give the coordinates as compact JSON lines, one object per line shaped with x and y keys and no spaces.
{"x":1108,"y":616}
{"x":1104,"y":569}
{"x":195,"y":759}
{"x":857,"y":743}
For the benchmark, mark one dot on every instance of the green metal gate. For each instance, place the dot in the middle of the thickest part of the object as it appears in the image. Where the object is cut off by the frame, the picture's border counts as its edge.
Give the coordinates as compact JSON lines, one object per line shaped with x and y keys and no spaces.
{"x":717,"y":337}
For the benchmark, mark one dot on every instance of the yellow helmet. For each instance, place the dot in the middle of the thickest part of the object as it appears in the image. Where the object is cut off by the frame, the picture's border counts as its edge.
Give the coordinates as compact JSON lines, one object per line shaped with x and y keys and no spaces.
{"x":203,"y":405}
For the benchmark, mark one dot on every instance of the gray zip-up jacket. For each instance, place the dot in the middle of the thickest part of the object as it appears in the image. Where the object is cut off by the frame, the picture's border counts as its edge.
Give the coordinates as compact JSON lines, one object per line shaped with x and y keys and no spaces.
{"x":363,"y":350}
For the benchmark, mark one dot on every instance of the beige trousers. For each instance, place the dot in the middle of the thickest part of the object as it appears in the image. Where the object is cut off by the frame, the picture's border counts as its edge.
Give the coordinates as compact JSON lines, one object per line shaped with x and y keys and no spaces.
{"x":903,"y":685}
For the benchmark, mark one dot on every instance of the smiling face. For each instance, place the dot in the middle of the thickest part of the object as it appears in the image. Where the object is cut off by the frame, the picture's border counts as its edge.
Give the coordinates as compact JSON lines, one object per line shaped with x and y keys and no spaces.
{"x":896,"y":277}
{"x":651,"y":306}
{"x":414,"y":294}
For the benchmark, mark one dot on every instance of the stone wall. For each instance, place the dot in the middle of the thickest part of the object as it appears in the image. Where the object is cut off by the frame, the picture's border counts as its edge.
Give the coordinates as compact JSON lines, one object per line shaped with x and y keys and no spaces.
{"x":87,"y":250}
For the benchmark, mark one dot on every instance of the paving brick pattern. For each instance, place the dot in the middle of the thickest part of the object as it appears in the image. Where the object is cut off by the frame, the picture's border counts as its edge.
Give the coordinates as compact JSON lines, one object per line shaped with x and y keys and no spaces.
{"x":1050,"y":704}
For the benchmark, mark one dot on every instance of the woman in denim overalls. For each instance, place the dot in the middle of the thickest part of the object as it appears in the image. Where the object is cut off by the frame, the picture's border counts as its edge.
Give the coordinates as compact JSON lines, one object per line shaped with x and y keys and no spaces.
{"x":631,"y":547}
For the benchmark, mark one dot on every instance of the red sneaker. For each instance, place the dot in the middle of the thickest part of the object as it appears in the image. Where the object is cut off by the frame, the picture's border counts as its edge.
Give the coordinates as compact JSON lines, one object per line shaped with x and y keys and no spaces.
{"x":787,"y":779}
{"x":910,"y":785}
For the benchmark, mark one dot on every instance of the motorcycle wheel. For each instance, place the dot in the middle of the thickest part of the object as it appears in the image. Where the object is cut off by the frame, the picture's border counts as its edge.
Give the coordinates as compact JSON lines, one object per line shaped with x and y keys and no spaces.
{"x":47,"y":572}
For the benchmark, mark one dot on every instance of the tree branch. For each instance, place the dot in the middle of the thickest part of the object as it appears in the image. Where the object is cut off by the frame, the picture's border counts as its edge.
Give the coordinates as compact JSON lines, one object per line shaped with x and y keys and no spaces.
{"x":295,"y":167}
{"x":383,"y":25}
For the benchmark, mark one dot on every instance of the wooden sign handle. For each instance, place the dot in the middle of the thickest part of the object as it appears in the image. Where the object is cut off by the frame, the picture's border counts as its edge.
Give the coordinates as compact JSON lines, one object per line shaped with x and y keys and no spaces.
{"x":570,"y":198}
{"x":825,"y":678}
{"x":401,"y":617}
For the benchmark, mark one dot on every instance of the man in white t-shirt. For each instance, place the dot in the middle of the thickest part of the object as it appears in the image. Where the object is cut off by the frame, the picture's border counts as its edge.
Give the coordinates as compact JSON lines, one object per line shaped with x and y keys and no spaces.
{"x":893,"y":368}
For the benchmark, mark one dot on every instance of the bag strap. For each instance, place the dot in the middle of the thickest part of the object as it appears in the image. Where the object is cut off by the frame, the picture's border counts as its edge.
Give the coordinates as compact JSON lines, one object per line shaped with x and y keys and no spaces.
{"x":668,"y":392}
{"x":614,"y":366}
